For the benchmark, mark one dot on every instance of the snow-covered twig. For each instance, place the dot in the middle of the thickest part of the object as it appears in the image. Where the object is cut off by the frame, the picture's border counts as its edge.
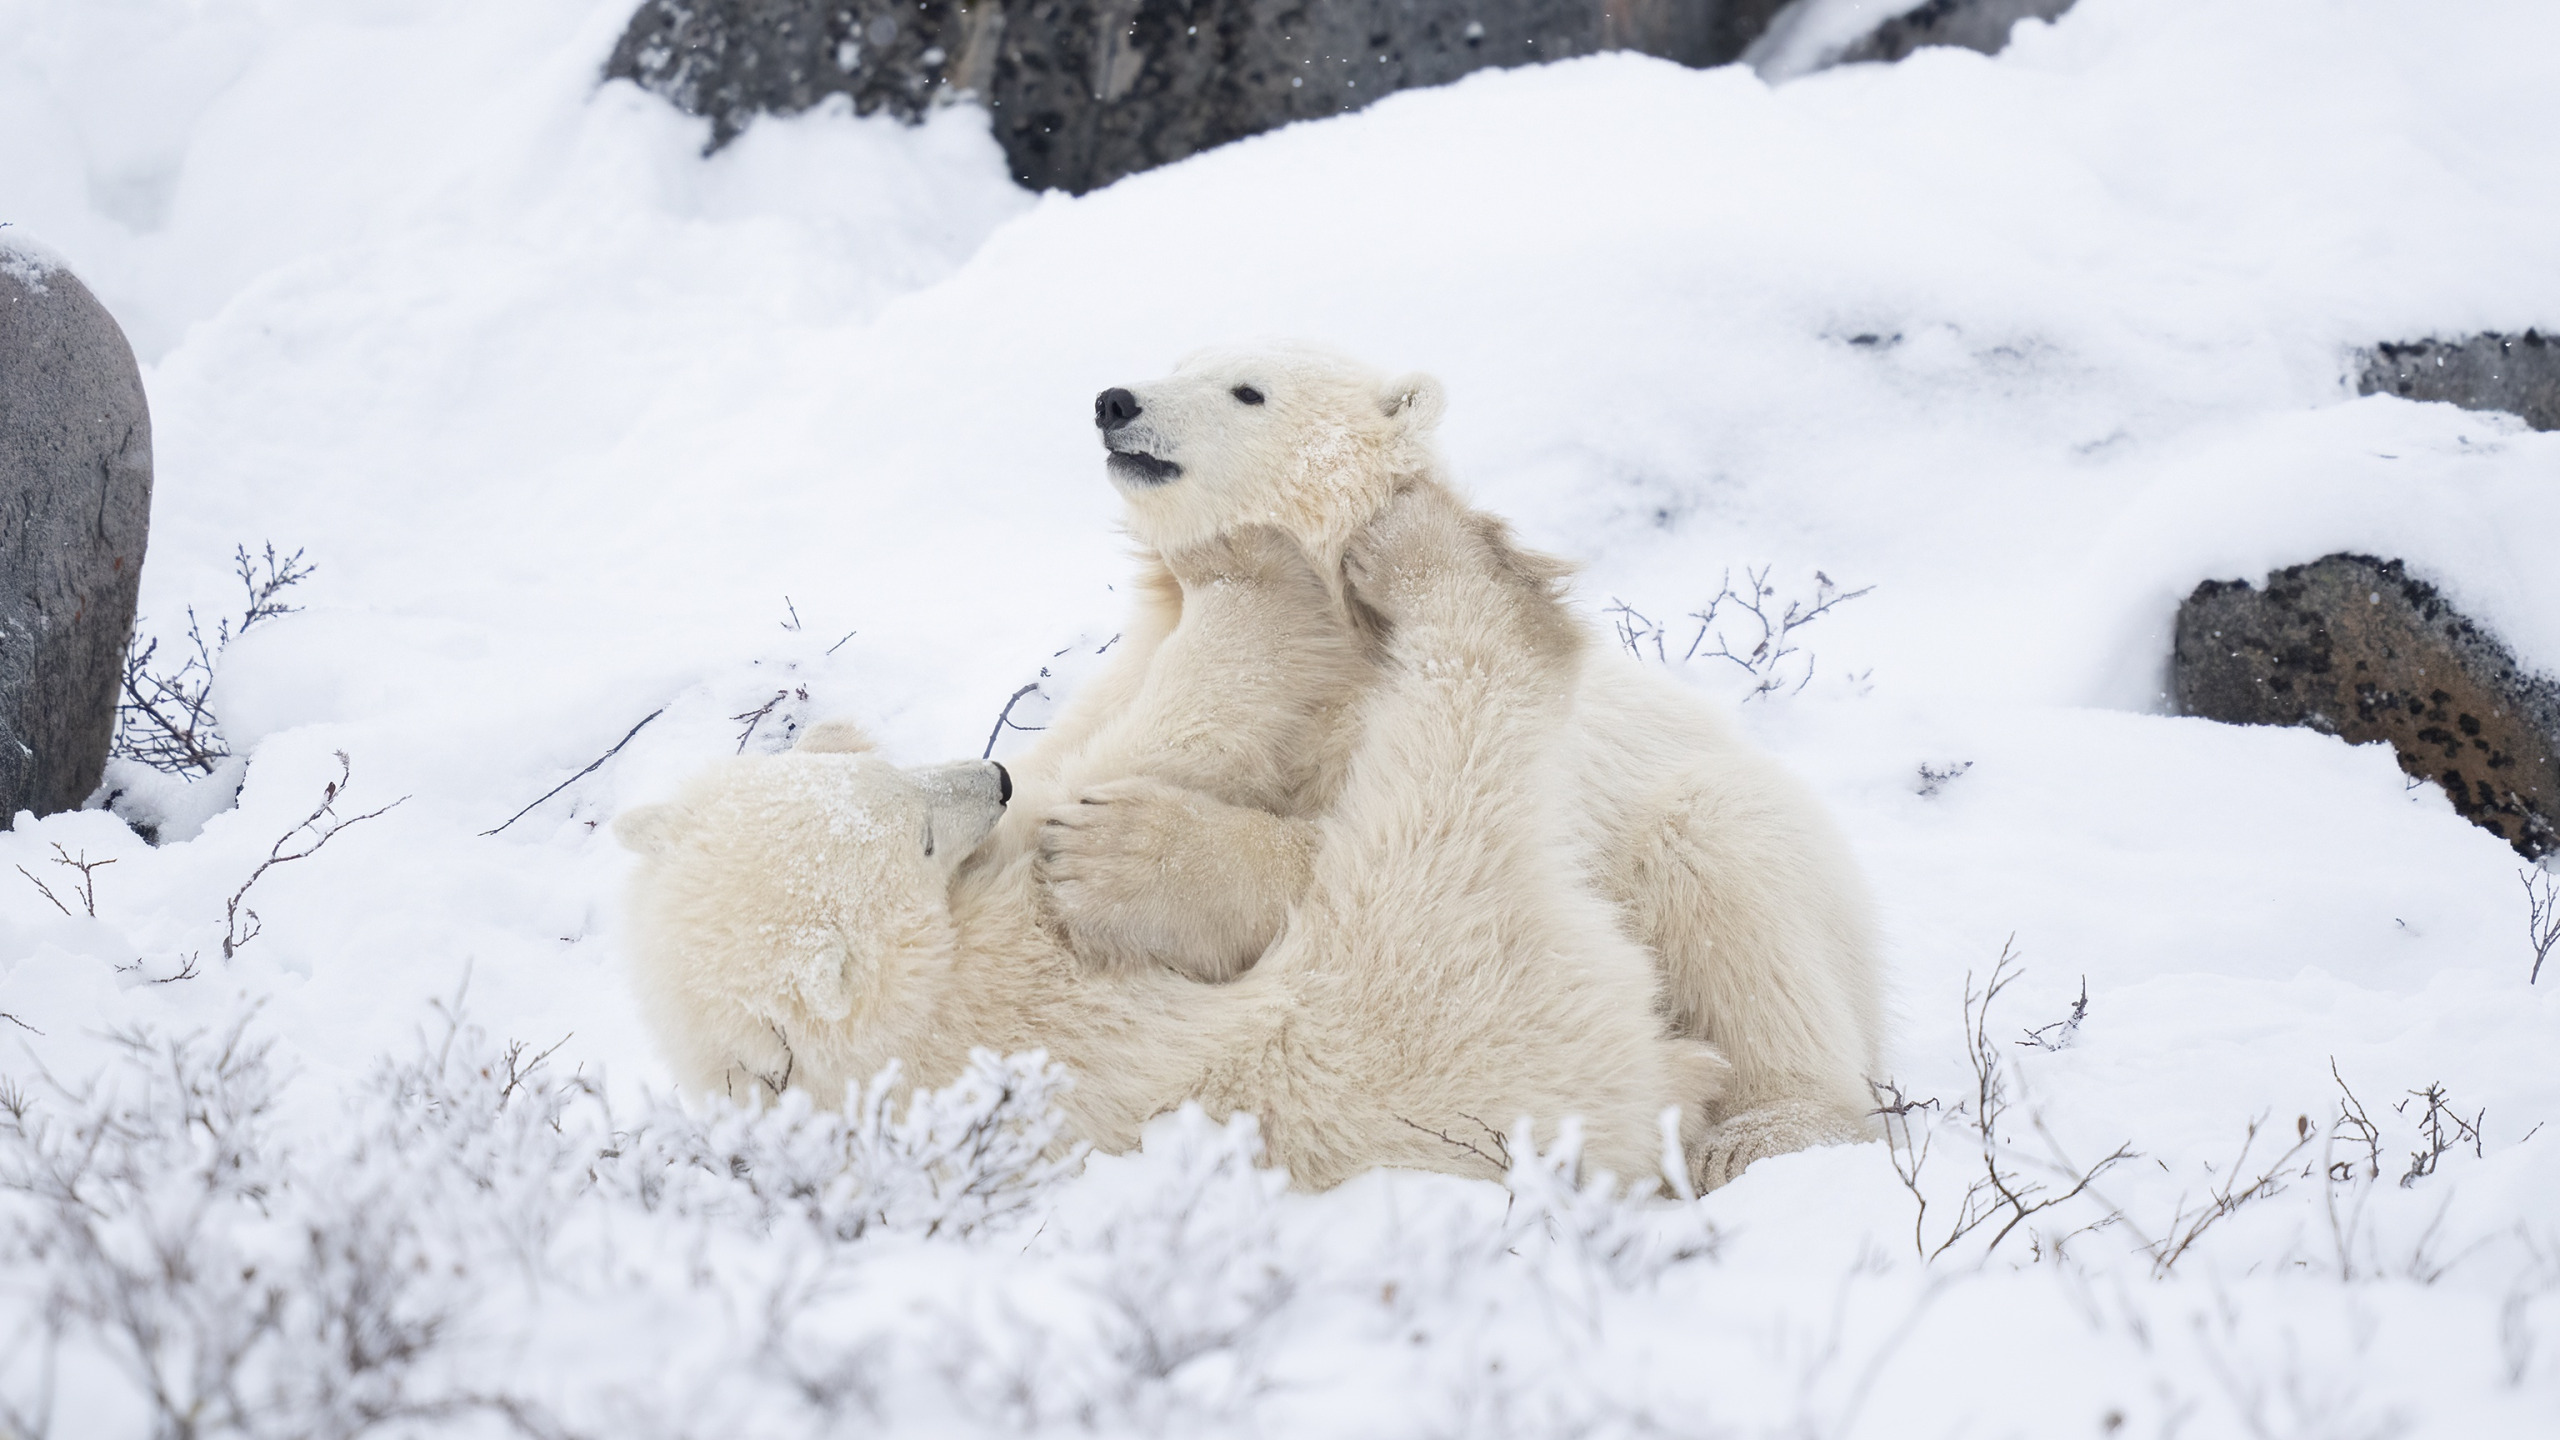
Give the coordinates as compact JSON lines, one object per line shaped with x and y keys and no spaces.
{"x":591,"y":767}
{"x":239,"y":923}
{"x":2542,"y":919}
{"x":2059,"y":1034}
{"x":1765,"y":654}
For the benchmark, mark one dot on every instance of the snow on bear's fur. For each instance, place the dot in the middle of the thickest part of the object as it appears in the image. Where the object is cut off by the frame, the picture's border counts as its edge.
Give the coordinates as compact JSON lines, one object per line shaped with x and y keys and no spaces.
{"x":796,"y":921}
{"x":1720,"y":864}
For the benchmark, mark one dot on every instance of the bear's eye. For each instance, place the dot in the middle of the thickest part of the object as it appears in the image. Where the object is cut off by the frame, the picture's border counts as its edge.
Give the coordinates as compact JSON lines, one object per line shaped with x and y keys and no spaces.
{"x":1248,"y":394}
{"x":928,"y":839}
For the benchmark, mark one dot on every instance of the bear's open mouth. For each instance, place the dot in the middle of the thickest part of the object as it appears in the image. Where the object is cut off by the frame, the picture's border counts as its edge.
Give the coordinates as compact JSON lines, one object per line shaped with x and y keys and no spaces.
{"x":1140,"y":468}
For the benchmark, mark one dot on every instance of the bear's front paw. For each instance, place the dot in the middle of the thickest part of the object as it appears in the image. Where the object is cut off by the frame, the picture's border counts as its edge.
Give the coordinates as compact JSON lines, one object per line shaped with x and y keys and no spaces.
{"x":1428,"y":562}
{"x":1407,"y":557}
{"x":1782,"y":1129}
{"x":1138,"y":872}
{"x":1110,"y":868}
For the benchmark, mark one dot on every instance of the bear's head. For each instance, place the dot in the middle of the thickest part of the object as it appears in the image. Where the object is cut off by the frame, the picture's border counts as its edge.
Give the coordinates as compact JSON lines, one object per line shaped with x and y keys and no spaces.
{"x":790,"y":912}
{"x":1290,"y":435}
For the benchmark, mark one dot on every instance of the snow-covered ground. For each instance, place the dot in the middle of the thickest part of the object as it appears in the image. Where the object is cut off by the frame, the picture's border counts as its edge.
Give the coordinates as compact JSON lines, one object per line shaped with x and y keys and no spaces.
{"x":580,"y":426}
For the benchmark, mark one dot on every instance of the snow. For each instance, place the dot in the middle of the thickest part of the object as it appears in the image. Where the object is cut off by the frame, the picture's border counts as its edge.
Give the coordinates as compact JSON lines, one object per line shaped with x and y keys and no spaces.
{"x":580,"y":425}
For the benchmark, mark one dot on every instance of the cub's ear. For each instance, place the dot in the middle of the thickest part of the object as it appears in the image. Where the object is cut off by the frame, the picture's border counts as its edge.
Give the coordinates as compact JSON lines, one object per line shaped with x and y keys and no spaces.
{"x":648,"y":829}
{"x":1415,"y":401}
{"x":834,"y":737}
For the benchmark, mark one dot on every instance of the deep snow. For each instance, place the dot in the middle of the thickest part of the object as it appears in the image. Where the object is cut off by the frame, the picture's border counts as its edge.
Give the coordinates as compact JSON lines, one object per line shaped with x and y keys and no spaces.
{"x":577,"y":424}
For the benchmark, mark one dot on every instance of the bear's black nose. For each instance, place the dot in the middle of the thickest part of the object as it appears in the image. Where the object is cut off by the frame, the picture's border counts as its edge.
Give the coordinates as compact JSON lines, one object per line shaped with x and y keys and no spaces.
{"x":1114,"y":408}
{"x":1004,"y":784}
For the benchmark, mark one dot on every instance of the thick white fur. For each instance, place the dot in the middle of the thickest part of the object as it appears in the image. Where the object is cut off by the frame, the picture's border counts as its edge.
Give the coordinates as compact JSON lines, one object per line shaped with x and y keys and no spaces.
{"x":1721,"y":864}
{"x":1445,"y":969}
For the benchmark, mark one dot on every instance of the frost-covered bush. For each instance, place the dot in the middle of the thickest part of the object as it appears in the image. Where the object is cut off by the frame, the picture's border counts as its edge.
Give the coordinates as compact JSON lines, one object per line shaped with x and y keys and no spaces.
{"x":170,"y":1226}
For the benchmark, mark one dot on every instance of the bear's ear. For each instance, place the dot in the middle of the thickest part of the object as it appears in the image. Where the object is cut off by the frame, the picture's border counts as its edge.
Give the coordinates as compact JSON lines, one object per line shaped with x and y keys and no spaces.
{"x":1414,"y":401}
{"x":834,"y":737}
{"x":648,"y":829}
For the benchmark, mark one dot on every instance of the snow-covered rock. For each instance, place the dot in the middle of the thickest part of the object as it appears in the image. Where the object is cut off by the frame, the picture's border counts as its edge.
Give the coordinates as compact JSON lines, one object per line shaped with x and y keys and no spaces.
{"x":2519,"y":374}
{"x":2353,"y":647}
{"x":75,"y":488}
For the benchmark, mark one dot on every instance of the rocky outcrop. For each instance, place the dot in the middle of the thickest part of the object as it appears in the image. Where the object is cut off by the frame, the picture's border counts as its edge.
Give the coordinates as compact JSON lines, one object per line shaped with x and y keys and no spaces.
{"x":1981,"y":25}
{"x":732,"y":60}
{"x":2519,"y":374}
{"x":1815,"y":35}
{"x":1086,"y":91}
{"x":2352,"y":646}
{"x":75,"y":508}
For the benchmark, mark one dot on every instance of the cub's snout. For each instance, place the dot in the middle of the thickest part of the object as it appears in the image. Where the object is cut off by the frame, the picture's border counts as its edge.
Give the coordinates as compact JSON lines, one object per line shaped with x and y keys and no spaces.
{"x":1114,"y":408}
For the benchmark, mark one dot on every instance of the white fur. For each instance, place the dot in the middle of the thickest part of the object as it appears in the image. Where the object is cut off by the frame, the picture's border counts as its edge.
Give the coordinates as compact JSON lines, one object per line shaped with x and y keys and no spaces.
{"x":1720,"y":863}
{"x":1444,"y":971}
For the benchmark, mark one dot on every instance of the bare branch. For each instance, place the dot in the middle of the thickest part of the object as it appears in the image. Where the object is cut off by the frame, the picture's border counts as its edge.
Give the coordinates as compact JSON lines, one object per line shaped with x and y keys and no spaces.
{"x":2044,"y":1037}
{"x":1499,"y":1157}
{"x":240,"y":924}
{"x":757,"y":716}
{"x":592,"y":767}
{"x":1005,"y":718}
{"x":2187,"y":1227}
{"x":2354,"y":1123}
{"x":2542,"y":923}
{"x":88,"y":868}
{"x":44,"y":890}
{"x":519,"y":1070}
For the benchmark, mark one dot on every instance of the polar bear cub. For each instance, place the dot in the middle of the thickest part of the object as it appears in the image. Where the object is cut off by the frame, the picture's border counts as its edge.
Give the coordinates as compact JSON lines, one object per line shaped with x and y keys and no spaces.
{"x":1721,"y":864}
{"x":795,"y":920}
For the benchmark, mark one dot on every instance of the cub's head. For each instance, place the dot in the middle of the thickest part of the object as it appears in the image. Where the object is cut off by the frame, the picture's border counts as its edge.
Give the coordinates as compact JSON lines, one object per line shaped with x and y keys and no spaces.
{"x":1289,"y":435}
{"x":790,"y":913}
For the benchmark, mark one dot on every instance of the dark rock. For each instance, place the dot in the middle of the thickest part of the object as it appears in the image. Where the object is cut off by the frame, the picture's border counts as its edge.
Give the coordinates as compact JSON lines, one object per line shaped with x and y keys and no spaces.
{"x":2352,"y":646}
{"x":1982,"y":25}
{"x":75,"y":507}
{"x":732,"y":60}
{"x":1086,"y":91}
{"x":2519,"y":374}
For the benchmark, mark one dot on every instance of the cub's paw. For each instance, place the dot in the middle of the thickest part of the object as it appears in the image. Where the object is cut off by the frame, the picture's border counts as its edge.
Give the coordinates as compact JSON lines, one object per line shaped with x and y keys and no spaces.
{"x":1115,"y":870}
{"x":1138,"y":872}
{"x":1404,"y":559}
{"x":1427,"y":561}
{"x":1729,"y":1148}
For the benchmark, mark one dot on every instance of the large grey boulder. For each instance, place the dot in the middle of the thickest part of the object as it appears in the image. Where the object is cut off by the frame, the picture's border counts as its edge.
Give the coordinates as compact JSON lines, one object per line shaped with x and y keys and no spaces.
{"x":75,"y":508}
{"x":2519,"y":374}
{"x":2352,"y":646}
{"x":1086,"y":91}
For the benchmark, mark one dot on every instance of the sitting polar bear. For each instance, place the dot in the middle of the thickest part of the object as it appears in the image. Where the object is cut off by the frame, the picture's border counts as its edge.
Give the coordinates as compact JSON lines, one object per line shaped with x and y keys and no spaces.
{"x":803,"y":919}
{"x":1717,"y":861}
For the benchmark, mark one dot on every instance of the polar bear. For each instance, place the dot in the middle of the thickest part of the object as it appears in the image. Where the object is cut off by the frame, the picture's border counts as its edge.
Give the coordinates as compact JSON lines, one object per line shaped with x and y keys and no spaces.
{"x":1720,"y":863}
{"x":800,"y":919}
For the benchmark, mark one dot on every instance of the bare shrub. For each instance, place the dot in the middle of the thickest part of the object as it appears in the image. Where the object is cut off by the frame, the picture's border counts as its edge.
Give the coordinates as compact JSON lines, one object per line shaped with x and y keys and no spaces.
{"x":164,"y":719}
{"x":2353,"y":1181}
{"x":2189,"y":1224}
{"x":1753,"y":629}
{"x":161,"y":1224}
{"x":87,"y":890}
{"x":2005,"y":1196}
